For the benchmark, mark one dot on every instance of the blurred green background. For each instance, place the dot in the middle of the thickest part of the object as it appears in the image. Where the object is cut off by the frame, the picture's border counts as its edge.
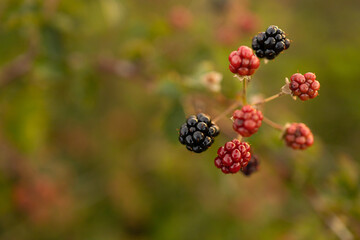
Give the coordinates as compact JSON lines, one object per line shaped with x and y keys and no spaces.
{"x":92,"y":93}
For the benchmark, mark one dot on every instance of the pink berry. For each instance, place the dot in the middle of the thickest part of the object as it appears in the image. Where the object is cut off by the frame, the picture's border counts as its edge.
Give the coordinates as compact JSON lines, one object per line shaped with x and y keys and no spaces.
{"x":304,"y":86}
{"x":233,"y":156}
{"x":247,"y":120}
{"x":298,"y":136}
{"x":243,"y":61}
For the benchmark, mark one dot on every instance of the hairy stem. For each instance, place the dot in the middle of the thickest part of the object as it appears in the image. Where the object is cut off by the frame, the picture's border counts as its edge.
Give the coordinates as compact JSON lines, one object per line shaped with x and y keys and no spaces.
{"x":269,"y":98}
{"x":239,"y":137}
{"x":244,"y":92}
{"x":273,"y":124}
{"x":227,"y":111}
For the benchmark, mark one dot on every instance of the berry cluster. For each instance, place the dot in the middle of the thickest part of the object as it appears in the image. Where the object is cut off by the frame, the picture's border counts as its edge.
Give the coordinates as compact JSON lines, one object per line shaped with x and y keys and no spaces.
{"x":243,"y":61}
{"x":198,"y":133}
{"x":247,"y":121}
{"x":270,"y":43}
{"x":233,"y":156}
{"x":304,"y":86}
{"x":298,"y":136}
{"x":253,"y":166}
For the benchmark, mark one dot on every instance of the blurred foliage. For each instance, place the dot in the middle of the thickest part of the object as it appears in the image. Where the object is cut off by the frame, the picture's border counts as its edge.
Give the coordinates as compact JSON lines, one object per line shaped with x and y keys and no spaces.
{"x":92,"y":93}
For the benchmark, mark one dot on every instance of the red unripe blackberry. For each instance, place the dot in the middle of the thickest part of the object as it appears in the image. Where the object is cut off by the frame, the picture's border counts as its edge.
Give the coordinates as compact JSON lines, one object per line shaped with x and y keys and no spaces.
{"x":298,"y":136}
{"x":243,"y":61}
{"x":304,"y":86}
{"x":247,"y":120}
{"x":270,"y":43}
{"x":233,"y":156}
{"x":198,"y":133}
{"x":253,"y":166}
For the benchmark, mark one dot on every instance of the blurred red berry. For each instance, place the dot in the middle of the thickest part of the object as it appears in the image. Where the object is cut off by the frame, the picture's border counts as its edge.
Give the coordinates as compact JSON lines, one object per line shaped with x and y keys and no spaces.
{"x":233,"y":156}
{"x":298,"y":136}
{"x":248,"y":22}
{"x":304,"y":86}
{"x":243,"y":61}
{"x":40,"y":198}
{"x":180,"y":17}
{"x":247,"y":120}
{"x":226,"y":35}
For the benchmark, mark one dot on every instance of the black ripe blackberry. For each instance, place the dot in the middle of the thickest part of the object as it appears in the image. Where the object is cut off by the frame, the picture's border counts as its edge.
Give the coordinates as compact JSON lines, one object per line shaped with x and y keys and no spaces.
{"x":270,"y":43}
{"x":253,"y":166}
{"x":198,"y":133}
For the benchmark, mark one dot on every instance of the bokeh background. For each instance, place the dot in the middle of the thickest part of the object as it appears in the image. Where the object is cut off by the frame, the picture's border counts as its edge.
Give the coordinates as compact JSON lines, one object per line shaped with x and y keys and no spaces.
{"x":92,"y":93}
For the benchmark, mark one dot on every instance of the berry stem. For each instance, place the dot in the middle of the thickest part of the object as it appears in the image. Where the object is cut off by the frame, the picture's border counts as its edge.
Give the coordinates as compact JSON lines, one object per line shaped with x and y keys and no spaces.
{"x":269,"y":99}
{"x":239,"y":137}
{"x":244,"y":92}
{"x":273,"y":124}
{"x":227,"y":111}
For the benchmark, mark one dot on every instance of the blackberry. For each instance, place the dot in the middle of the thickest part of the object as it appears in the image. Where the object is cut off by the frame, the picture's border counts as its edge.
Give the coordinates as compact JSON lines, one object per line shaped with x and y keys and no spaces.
{"x":247,"y":120}
{"x":304,"y":86}
{"x":298,"y":136}
{"x":198,"y":133}
{"x":243,"y":61}
{"x":233,"y":156}
{"x":253,"y":166}
{"x":270,"y":43}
